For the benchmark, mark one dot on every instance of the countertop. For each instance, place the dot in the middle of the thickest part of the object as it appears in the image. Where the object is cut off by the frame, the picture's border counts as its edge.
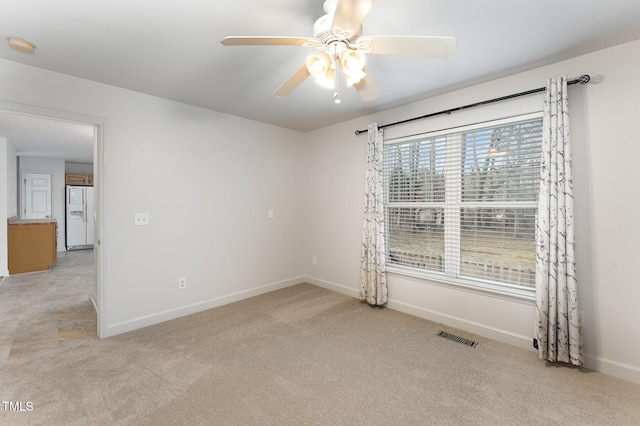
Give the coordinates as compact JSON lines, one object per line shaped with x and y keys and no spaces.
{"x":16,"y":221}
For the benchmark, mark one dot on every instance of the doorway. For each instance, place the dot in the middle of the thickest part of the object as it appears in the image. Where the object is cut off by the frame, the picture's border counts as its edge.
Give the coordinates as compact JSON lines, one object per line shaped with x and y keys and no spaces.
{"x":96,"y":126}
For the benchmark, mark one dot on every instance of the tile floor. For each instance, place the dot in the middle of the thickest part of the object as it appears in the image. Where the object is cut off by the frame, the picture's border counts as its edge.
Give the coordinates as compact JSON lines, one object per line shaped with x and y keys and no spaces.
{"x":40,"y":311}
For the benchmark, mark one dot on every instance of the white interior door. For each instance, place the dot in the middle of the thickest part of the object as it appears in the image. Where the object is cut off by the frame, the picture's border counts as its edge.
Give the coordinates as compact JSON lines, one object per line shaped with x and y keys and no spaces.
{"x":37,"y":195}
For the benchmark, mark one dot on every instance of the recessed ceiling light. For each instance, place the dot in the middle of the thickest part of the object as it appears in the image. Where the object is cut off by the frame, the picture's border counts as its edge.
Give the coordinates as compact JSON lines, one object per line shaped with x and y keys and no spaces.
{"x":22,"y":46}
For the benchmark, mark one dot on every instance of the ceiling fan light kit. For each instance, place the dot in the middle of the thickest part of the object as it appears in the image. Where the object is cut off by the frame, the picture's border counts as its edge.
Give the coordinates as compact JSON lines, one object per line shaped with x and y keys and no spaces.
{"x":318,"y":64}
{"x":22,"y":46}
{"x":338,"y":36}
{"x":352,"y":62}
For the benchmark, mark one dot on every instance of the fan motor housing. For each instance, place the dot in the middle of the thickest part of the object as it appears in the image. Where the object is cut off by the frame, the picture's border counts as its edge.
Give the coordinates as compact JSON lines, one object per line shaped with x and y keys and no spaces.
{"x":323,"y":31}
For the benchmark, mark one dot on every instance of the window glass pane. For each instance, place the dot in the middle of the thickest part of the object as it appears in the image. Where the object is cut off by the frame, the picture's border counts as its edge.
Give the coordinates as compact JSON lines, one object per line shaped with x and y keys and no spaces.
{"x":416,"y":237}
{"x":501,"y":163}
{"x":498,"y":244}
{"x":463,"y":202}
{"x":415,"y":171}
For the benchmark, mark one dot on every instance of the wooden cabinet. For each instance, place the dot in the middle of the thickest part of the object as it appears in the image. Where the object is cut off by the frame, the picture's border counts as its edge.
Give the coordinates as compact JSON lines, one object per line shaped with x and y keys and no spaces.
{"x":77,"y":179}
{"x":32,"y":245}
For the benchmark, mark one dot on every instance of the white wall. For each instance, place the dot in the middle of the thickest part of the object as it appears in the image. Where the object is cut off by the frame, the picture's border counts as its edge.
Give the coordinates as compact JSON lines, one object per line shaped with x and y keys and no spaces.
{"x":12,"y":180}
{"x":210,"y":178}
{"x":4,"y":269}
{"x":78,"y":168}
{"x":8,"y":198}
{"x":606,"y":149}
{"x":207,"y":181}
{"x":56,"y":168}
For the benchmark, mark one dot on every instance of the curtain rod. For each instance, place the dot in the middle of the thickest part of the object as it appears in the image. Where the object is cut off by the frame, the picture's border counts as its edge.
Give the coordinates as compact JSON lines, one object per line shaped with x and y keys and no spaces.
{"x":583,"y":79}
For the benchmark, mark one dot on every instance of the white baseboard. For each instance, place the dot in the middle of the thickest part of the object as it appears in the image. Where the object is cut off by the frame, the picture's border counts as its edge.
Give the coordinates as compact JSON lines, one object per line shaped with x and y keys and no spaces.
{"x":332,"y":286}
{"x":613,"y":368}
{"x":520,"y":341}
{"x":134,"y":324}
{"x":603,"y":365}
{"x":503,"y":336}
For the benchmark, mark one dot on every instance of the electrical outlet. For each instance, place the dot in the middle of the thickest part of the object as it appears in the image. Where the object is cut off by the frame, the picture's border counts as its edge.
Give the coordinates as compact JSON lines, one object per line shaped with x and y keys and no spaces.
{"x":182,"y":283}
{"x":141,"y":219}
{"x":292,"y":261}
{"x":314,"y":261}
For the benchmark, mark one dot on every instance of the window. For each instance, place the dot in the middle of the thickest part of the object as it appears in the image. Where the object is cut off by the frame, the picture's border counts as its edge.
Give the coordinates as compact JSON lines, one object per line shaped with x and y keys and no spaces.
{"x":461,"y":204}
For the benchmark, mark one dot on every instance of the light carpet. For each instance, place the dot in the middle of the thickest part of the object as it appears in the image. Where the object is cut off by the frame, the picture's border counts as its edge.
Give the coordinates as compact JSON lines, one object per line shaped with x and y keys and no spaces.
{"x":305,"y":355}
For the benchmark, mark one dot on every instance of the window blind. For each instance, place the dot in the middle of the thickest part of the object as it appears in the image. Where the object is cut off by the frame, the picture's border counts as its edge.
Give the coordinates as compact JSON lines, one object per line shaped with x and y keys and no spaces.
{"x":463,"y":202}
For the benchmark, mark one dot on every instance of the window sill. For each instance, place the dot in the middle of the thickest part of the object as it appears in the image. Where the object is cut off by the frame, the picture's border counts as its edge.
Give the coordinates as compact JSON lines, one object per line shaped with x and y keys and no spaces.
{"x":514,"y":293}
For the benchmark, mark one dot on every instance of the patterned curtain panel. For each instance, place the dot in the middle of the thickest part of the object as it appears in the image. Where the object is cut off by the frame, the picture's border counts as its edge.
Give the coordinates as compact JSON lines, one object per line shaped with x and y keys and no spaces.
{"x":558,"y":330}
{"x":373,"y":279}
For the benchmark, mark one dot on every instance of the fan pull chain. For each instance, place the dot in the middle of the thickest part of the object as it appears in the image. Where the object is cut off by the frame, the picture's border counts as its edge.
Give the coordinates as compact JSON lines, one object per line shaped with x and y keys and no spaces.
{"x":336,"y":99}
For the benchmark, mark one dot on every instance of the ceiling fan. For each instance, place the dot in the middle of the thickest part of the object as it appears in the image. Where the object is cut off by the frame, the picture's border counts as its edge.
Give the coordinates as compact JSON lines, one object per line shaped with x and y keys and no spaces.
{"x":338,"y":36}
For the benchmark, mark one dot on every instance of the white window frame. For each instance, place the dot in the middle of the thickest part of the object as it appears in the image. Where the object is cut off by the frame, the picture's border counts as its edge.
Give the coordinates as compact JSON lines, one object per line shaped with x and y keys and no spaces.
{"x":450,"y":277}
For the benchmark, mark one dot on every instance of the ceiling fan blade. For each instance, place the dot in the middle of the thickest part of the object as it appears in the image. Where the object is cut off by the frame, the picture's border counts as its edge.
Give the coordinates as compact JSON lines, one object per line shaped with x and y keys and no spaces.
{"x":428,"y":47}
{"x":292,"y":82}
{"x":367,"y":88}
{"x":349,"y":15}
{"x":269,"y":41}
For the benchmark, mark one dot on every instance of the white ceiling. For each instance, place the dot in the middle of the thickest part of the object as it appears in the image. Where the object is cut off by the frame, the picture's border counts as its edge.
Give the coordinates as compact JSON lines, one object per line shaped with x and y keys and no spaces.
{"x":172,"y":49}
{"x":41,"y":137}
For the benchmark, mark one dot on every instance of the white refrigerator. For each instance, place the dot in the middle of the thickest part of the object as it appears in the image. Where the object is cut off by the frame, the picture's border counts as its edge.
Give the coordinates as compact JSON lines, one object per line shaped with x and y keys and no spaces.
{"x":79,"y":219}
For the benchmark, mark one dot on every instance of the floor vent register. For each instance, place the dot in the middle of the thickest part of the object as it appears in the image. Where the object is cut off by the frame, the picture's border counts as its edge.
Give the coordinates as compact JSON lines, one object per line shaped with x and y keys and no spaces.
{"x":458,"y":339}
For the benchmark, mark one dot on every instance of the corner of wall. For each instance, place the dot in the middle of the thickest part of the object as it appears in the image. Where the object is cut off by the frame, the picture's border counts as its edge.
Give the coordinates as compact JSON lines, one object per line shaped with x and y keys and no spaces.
{"x":157,"y":318}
